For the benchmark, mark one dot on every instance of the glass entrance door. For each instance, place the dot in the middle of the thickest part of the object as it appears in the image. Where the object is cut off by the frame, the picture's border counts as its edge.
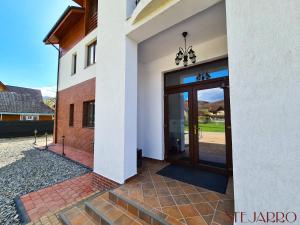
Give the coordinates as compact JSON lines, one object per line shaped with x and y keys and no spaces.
{"x":211,"y":139}
{"x":197,"y":117}
{"x":178,"y":127}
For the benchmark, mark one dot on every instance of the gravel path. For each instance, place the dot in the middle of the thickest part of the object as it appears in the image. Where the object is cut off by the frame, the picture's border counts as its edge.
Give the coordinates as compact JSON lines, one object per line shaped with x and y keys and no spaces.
{"x":24,"y":169}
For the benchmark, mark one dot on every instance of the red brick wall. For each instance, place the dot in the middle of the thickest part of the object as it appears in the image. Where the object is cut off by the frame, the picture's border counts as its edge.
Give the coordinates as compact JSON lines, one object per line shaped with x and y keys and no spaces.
{"x":100,"y":183}
{"x":76,"y":136}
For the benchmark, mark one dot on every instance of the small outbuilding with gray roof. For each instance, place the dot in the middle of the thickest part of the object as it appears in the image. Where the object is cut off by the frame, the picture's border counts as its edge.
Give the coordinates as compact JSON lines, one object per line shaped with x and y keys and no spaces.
{"x":18,"y":103}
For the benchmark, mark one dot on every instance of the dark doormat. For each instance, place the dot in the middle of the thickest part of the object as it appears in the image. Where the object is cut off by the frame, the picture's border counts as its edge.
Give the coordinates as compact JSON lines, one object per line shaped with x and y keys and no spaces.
{"x":205,"y":179}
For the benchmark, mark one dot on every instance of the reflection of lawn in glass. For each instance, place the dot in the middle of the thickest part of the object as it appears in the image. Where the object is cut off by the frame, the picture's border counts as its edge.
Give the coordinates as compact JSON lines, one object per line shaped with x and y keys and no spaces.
{"x":209,"y":127}
{"x":212,"y":127}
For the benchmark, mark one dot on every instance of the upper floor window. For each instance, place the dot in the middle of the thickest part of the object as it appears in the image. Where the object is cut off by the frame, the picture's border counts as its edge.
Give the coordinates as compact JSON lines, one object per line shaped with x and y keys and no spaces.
{"x":74,"y":63}
{"x":91,"y":53}
{"x":89,"y":114}
{"x":93,"y":7}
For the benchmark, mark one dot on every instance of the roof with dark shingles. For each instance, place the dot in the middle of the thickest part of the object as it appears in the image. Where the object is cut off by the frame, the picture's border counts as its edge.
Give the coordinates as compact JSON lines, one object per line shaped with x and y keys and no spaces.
{"x":22,"y":100}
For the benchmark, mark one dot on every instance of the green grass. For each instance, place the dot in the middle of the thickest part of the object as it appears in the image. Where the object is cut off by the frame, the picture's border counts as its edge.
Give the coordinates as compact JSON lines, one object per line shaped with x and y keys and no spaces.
{"x":209,"y":127}
{"x":212,"y":127}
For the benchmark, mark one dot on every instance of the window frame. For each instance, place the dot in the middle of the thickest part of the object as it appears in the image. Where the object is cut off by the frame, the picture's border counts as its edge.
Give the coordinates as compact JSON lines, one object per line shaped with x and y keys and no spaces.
{"x":74,"y":64}
{"x":71,"y":115}
{"x":85,"y":115}
{"x":91,"y":47}
{"x":93,"y":7}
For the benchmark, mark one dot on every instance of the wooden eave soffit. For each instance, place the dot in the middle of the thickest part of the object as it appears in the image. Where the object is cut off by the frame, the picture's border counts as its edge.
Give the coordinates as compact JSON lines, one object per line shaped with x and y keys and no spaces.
{"x":65,"y":24}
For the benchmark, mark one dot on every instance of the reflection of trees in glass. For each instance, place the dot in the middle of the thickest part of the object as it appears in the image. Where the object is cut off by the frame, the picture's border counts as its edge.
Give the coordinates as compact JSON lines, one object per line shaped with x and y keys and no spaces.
{"x":211,"y":116}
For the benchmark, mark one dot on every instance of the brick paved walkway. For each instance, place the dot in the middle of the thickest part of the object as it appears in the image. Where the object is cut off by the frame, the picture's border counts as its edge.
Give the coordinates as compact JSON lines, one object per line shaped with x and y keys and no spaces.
{"x":85,"y":158}
{"x":58,"y":196}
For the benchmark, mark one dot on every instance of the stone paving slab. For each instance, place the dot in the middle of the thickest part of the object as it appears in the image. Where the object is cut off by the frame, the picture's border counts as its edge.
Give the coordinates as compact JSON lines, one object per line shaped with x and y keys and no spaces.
{"x":83,"y":157}
{"x":51,"y":199}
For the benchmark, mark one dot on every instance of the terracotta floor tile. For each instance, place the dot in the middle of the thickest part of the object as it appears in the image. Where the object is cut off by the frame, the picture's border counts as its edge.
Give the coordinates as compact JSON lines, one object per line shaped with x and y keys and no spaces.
{"x":172,"y":211}
{"x":181,"y":199}
{"x":190,"y":190}
{"x":149,"y":193}
{"x":157,"y":178}
{"x":113,"y":214}
{"x":208,"y":218}
{"x":159,"y":213}
{"x":196,"y":198}
{"x":147,"y":186}
{"x":173,"y":221}
{"x":222,"y":218}
{"x":213,"y":204}
{"x":123,"y":220}
{"x":172,"y":184}
{"x":163,"y":192}
{"x":176,"y":191}
{"x":210,"y":196}
{"x":166,"y":201}
{"x":160,"y":185}
{"x":153,"y":202}
{"x":198,"y":220}
{"x":200,"y":189}
{"x":204,"y":208}
{"x":188,"y":211}
{"x":226,"y":206}
{"x":79,"y":219}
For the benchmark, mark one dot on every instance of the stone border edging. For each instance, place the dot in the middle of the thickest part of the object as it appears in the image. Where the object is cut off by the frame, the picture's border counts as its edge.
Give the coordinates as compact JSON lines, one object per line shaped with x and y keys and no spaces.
{"x":24,"y":218}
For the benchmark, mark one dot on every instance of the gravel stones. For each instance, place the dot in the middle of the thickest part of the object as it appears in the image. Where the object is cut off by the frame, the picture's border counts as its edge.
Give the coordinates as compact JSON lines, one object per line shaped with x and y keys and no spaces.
{"x":24,"y":169}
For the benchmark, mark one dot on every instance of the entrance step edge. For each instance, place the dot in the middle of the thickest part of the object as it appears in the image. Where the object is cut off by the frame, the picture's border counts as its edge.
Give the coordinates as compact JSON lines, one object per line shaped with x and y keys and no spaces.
{"x":97,"y":214}
{"x":64,"y":219}
{"x":137,"y":209}
{"x":65,"y":215}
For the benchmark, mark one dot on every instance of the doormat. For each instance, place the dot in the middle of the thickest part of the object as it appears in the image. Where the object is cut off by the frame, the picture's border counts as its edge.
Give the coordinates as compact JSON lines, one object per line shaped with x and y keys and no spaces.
{"x":205,"y":179}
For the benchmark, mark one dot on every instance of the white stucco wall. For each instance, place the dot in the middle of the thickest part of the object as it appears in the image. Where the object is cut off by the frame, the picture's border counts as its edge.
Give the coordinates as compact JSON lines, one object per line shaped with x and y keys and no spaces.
{"x":151,"y":89}
{"x":264,"y":60}
{"x":116,"y":96}
{"x":66,"y":79}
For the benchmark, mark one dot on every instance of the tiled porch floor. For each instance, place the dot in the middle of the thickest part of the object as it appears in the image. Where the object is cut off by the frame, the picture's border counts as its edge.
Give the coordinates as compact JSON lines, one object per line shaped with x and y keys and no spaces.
{"x":185,"y":203}
{"x":85,"y":158}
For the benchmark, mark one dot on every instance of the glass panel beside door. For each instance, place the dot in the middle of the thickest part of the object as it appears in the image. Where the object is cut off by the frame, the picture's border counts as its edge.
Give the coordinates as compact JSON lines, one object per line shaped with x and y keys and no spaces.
{"x":178,"y":127}
{"x":211,"y":127}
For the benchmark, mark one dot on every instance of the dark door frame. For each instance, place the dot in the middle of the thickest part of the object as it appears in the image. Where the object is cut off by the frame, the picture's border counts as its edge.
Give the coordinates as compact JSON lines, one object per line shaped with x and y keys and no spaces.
{"x":192,"y":89}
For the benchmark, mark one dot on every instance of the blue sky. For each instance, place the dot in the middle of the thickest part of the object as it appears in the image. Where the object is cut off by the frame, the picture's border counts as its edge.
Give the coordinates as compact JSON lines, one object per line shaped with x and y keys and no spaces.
{"x":24,"y":59}
{"x":208,"y":95}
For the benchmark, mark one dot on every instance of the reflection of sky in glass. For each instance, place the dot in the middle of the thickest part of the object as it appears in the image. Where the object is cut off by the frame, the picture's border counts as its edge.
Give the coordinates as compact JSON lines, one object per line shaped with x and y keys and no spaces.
{"x":216,"y":74}
{"x":208,"y":95}
{"x":190,"y":79}
{"x":220,"y":73}
{"x":186,"y":96}
{"x":211,"y":95}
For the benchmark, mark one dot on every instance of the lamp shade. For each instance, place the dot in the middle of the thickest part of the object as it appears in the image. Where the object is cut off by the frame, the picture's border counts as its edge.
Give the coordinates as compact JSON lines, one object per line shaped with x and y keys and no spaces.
{"x":177,"y":60}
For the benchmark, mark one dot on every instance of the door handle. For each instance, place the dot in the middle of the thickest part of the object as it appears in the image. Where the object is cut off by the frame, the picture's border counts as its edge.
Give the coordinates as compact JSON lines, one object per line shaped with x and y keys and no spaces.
{"x":195,"y":129}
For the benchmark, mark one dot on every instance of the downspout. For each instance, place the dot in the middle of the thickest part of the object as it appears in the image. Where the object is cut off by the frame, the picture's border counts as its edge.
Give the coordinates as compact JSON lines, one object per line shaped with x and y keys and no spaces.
{"x":57,"y":83}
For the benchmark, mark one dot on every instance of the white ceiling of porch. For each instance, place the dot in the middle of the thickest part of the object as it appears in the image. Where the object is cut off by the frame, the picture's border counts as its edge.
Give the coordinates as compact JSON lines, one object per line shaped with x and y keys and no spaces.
{"x":202,"y":27}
